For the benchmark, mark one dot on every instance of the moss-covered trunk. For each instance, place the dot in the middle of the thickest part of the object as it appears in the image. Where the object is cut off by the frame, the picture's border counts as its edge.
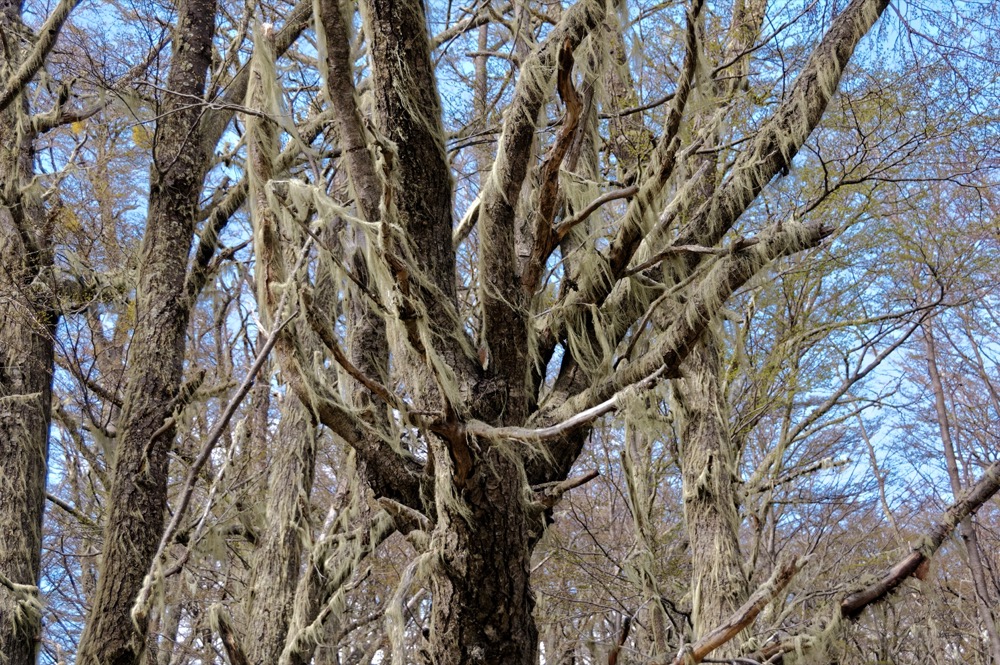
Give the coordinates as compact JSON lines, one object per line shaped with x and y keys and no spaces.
{"x":709,"y":468}
{"x":156,"y":355}
{"x":277,"y":562}
{"x":480,"y":550}
{"x":27,"y":327}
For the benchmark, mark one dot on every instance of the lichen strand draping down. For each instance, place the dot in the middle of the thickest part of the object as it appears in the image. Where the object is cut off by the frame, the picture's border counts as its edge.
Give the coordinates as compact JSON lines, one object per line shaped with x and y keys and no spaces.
{"x":478,"y":483}
{"x":639,"y":258}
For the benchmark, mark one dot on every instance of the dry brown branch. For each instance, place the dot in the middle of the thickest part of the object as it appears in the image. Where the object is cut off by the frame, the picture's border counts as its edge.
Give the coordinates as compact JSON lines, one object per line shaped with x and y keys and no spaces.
{"x":548,"y":198}
{"x":853,"y":605}
{"x":744,"y":616}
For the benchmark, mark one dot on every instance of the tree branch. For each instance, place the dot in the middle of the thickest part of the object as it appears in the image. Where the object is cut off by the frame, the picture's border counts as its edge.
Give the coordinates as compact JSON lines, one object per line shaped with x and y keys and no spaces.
{"x":853,"y":605}
{"x":36,"y":57}
{"x":744,"y":616}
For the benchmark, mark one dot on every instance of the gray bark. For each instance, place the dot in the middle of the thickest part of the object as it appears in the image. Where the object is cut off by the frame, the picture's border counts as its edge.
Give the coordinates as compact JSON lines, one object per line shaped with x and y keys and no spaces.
{"x":138,"y":494}
{"x":482,"y":528}
{"x":482,"y":604}
{"x":27,"y":327}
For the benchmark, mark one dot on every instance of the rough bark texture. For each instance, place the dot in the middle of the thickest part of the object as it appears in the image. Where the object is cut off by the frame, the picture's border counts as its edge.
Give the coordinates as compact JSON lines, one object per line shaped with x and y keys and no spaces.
{"x":482,"y":608}
{"x":484,"y":539}
{"x":368,"y":344}
{"x":27,"y":326}
{"x":138,"y":494}
{"x":711,"y":499}
{"x":408,"y":112}
{"x":277,"y":561}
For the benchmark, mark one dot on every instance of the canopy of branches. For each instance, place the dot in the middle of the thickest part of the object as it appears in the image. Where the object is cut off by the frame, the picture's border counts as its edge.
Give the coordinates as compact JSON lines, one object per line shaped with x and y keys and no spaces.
{"x":598,"y":331}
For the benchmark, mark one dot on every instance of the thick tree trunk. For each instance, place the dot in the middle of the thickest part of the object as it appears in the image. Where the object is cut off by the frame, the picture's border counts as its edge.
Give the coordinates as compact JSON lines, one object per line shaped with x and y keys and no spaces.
{"x":482,"y":604}
{"x":139,"y":487}
{"x":27,"y":327}
{"x":709,"y":468}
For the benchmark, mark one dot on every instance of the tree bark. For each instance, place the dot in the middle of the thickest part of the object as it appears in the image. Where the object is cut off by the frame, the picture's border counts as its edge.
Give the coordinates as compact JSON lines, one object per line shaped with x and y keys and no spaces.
{"x":709,"y":469}
{"x":139,"y":488}
{"x":482,"y":604}
{"x":709,"y":455}
{"x":27,"y":328}
{"x":277,"y":562}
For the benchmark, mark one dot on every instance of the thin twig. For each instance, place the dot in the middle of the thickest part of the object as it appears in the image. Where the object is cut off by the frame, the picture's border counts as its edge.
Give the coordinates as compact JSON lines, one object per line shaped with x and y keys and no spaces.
{"x":551,"y":496}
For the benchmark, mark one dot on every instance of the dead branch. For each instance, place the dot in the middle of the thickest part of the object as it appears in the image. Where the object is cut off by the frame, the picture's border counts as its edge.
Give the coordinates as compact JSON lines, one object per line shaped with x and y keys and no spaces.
{"x":744,"y":616}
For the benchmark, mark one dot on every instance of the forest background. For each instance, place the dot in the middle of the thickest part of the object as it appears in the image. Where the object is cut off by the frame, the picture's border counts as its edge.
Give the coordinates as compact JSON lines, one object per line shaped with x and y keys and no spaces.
{"x":615,"y":331}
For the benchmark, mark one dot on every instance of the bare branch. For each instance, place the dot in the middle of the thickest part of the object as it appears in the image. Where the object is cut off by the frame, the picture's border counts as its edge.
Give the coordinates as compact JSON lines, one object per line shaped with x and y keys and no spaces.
{"x":551,"y":496}
{"x":203,"y":455}
{"x":567,"y":225}
{"x":584,"y":417}
{"x":744,"y":616}
{"x":923,"y":549}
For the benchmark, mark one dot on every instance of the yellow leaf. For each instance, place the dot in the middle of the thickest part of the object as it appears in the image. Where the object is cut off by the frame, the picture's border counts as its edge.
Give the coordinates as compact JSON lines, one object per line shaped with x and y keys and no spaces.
{"x":141,"y":136}
{"x":69,"y":220}
{"x":77,"y":127}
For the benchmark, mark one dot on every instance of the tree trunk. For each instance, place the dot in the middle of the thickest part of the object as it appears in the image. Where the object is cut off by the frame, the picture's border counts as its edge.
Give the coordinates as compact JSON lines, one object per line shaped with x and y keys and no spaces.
{"x":709,"y":456}
{"x":482,"y":605}
{"x":277,"y":561}
{"x":709,"y":469}
{"x":139,"y":487}
{"x":27,"y":328}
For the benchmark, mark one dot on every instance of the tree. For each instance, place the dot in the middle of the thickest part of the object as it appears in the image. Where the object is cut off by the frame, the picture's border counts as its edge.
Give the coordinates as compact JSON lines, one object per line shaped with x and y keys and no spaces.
{"x":29,"y":314}
{"x":429,"y":373}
